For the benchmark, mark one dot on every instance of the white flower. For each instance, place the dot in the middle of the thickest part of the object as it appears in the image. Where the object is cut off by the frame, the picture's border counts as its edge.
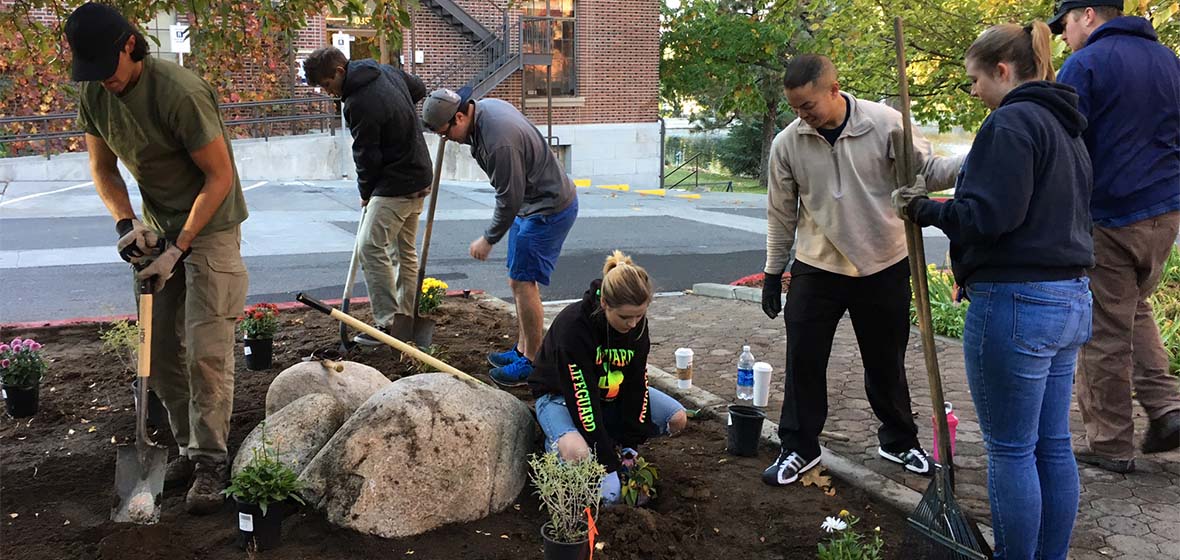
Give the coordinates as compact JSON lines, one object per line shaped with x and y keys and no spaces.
{"x":834,"y":524}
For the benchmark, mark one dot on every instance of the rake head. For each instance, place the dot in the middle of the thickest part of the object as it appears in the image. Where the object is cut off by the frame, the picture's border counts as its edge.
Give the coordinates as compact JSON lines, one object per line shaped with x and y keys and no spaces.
{"x":940,"y":519}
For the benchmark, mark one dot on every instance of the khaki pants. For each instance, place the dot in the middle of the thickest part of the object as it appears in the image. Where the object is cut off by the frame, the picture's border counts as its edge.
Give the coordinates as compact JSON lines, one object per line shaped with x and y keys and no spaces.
{"x":389,"y":229}
{"x":193,"y":323}
{"x":1126,"y":352}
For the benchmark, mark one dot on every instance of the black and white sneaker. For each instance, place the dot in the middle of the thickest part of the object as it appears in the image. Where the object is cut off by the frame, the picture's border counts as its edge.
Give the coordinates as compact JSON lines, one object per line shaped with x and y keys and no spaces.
{"x":914,"y":460}
{"x":787,"y":468}
{"x":365,"y":340}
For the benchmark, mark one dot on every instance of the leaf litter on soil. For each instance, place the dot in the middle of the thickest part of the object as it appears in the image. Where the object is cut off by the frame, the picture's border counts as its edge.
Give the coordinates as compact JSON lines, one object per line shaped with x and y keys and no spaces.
{"x":710,"y":505}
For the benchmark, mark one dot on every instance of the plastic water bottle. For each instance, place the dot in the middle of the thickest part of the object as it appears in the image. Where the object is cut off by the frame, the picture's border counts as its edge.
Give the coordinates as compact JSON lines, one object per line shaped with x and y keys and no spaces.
{"x":952,"y":426}
{"x":745,"y":376}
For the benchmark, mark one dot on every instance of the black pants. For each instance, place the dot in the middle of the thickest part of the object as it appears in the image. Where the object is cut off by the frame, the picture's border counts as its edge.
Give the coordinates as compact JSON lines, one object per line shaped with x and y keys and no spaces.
{"x":879,"y":307}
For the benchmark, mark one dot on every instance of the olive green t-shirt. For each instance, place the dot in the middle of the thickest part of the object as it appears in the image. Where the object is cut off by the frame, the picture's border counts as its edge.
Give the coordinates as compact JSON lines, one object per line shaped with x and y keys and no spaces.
{"x":169,"y":113}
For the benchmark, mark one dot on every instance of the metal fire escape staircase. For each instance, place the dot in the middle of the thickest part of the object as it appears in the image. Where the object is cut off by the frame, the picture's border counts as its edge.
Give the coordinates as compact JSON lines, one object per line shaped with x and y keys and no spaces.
{"x":490,"y":52}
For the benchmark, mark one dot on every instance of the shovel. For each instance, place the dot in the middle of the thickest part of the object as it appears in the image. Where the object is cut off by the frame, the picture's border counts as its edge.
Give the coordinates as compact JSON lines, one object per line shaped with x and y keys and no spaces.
{"x":416,"y":327}
{"x":346,"y":344}
{"x":139,"y":469}
{"x":938,"y":517}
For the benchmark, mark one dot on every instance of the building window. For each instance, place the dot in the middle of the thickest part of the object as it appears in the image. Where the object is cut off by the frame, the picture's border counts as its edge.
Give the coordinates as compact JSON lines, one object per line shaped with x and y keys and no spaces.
{"x":546,"y":20}
{"x":158,"y":27}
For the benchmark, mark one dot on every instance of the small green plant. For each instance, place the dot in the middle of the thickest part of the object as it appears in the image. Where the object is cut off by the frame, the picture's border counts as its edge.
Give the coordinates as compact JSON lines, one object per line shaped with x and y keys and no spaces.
{"x":122,"y":340}
{"x":640,"y":485}
{"x":260,"y":321}
{"x":21,"y":363}
{"x":434,"y":350}
{"x":946,"y":315}
{"x":433,"y":291}
{"x":566,"y":490}
{"x":849,"y":544}
{"x":265,"y":480}
{"x":1165,"y":305}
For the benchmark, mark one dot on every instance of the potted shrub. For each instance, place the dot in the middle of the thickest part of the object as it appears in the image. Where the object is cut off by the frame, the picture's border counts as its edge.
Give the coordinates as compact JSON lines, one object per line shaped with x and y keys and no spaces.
{"x":21,"y":368}
{"x":570,"y":492}
{"x":639,"y":480}
{"x":265,"y":491}
{"x":259,"y":324}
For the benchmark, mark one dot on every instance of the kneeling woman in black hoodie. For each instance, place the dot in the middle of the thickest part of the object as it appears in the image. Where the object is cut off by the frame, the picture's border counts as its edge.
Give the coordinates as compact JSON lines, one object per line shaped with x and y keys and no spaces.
{"x":590,"y":379}
{"x":1019,"y":227}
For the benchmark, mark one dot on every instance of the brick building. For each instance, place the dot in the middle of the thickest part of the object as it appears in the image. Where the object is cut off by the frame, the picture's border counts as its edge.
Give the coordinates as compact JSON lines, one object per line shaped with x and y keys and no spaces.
{"x":605,"y":72}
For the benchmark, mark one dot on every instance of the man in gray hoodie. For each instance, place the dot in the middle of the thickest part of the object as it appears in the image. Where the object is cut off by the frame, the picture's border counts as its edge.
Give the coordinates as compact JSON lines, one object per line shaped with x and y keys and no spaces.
{"x":536,"y":205}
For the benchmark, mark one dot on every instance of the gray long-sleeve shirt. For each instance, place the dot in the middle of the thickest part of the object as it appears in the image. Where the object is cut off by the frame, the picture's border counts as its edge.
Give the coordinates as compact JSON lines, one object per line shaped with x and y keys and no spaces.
{"x":525,"y":173}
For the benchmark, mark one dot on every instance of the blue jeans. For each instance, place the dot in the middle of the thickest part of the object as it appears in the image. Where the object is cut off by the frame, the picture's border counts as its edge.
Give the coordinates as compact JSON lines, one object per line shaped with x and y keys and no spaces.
{"x":555,"y":420}
{"x":1020,"y":345}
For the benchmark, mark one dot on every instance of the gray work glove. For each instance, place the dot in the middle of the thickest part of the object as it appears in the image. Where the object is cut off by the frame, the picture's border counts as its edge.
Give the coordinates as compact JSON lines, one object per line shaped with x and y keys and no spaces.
{"x":901,"y":198}
{"x":136,"y":240}
{"x":611,"y":487}
{"x":157,"y":273}
{"x":772,"y":294}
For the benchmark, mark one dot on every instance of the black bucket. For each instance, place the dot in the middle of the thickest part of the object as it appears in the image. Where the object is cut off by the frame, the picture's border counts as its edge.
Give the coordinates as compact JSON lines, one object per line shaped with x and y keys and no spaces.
{"x":744,"y":430}
{"x":259,"y":353}
{"x":157,"y":415}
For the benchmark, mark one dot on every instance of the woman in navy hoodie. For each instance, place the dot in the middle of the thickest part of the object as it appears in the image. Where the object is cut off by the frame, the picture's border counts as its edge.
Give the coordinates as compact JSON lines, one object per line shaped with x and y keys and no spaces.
{"x":1019,"y":227}
{"x":590,"y":380}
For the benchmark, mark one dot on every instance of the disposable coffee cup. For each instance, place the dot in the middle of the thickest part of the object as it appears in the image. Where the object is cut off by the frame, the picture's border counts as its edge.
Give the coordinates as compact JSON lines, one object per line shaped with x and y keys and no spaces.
{"x":761,"y":383}
{"x":684,"y":368}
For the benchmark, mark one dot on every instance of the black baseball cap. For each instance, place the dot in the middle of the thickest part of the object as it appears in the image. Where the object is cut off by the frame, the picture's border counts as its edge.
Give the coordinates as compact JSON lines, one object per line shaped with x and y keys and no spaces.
{"x":96,"y":33}
{"x":1064,"y":6}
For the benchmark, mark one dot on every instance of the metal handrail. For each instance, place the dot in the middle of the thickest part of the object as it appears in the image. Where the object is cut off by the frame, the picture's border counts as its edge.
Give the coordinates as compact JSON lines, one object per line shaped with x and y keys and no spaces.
{"x":325,"y":118}
{"x":696,"y":171}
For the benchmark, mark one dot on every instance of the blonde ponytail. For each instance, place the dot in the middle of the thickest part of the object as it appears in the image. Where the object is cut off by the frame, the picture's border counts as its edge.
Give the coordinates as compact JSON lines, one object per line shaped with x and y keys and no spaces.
{"x":624,"y":283}
{"x":1026,"y":48}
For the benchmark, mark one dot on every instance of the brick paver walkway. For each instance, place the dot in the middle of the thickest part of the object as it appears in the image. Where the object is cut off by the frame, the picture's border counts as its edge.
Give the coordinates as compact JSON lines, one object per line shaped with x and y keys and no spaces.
{"x":1132,"y":516}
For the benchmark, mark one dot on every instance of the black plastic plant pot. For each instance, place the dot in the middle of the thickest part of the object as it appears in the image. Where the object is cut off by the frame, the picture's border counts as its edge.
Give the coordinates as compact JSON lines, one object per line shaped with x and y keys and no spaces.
{"x":259,"y":353}
{"x":257,"y":531}
{"x":555,"y":550}
{"x":21,"y":402}
{"x":744,"y":429}
{"x":157,"y":415}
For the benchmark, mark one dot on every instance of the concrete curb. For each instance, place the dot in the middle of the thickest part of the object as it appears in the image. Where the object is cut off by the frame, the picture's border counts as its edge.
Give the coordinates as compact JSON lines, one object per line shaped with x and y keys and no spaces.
{"x":745,"y":293}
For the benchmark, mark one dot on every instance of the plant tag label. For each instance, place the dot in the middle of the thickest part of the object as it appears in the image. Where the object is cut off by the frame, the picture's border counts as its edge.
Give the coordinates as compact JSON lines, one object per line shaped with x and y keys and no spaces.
{"x":729,"y":419}
{"x":246,"y":522}
{"x":3,"y":394}
{"x":249,"y":351}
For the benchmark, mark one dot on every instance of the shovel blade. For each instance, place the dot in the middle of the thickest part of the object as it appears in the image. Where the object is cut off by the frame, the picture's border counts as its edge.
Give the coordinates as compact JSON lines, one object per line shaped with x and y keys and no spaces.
{"x":139,"y":480}
{"x":420,"y":332}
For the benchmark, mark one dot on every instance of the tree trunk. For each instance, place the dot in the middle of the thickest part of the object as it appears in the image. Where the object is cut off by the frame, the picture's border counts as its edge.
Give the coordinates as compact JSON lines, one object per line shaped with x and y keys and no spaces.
{"x":769,"y":129}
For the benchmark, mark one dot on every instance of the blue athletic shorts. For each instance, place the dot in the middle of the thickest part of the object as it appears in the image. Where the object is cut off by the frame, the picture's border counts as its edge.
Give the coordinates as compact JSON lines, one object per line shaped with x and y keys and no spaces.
{"x":556,"y":421}
{"x":535,"y":242}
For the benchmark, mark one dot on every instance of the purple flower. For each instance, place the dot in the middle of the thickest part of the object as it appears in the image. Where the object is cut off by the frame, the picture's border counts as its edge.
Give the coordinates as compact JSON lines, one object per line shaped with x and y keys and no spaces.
{"x":16,"y":342}
{"x":34,"y":346}
{"x":4,"y":348}
{"x":5,"y":363}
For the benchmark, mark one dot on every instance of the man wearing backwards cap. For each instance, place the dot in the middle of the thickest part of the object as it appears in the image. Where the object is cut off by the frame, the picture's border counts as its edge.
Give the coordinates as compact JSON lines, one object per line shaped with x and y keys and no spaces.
{"x":161,"y":121}
{"x":1128,"y":87}
{"x":536,"y":205}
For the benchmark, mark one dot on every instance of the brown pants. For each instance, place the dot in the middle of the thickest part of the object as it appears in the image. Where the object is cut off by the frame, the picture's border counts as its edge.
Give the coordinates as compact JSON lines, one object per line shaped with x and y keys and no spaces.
{"x":390,"y":228}
{"x":193,"y":323}
{"x":1126,"y":352}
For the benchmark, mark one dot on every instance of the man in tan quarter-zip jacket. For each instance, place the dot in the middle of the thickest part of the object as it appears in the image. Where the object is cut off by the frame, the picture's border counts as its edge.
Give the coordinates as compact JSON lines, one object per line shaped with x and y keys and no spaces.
{"x":831,"y":175}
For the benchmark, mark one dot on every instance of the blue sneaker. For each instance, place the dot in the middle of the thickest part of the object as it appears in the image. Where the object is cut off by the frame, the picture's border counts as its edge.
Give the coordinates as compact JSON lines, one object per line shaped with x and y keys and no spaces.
{"x":501,"y":359}
{"x":514,"y":374}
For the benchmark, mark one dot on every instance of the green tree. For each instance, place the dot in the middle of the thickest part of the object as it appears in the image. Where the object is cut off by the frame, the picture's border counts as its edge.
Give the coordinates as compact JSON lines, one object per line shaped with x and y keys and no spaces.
{"x":729,"y":56}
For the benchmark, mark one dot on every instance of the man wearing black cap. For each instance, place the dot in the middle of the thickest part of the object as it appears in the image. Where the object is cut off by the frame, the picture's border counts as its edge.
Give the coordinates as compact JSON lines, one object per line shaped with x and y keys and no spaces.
{"x":161,"y":121}
{"x":536,"y":205}
{"x":1128,"y":86}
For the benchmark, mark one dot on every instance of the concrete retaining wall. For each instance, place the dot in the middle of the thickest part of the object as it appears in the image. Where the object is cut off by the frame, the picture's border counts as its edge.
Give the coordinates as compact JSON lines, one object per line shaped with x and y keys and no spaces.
{"x":603,"y":153}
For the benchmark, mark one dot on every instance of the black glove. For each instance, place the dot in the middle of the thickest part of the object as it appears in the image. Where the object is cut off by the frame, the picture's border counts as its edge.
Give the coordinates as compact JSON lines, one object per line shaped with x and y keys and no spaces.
{"x":772,"y":294}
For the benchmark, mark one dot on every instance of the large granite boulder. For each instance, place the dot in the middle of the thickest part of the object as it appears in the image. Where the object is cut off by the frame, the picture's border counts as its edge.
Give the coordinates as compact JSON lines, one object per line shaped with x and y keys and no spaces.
{"x":297,"y":432}
{"x":428,"y":450}
{"x":351,"y":387}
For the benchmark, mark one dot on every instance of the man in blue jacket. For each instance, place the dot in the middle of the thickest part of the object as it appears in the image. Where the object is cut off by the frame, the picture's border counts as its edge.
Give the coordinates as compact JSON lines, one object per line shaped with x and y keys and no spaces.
{"x":1129,"y":89}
